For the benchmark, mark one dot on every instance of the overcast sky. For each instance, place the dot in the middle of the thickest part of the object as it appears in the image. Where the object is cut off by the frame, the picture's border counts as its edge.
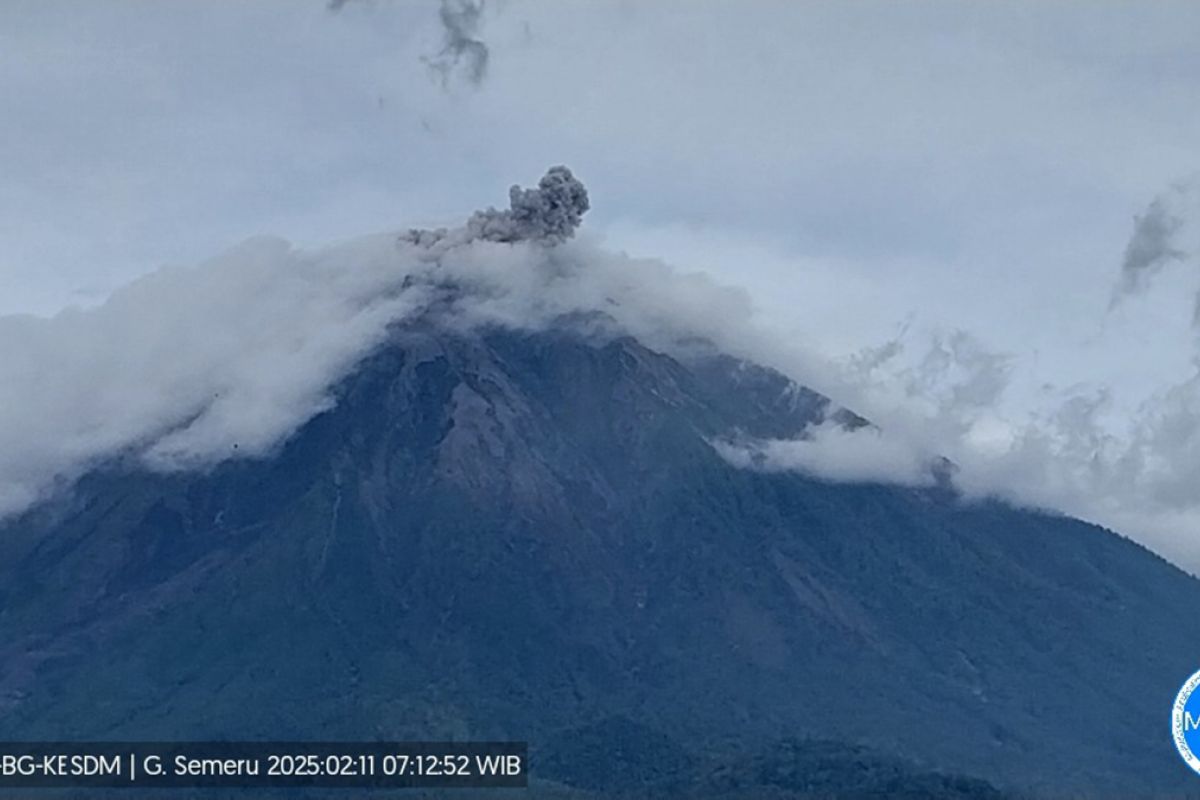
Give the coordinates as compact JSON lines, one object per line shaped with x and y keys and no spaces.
{"x":861,"y":168}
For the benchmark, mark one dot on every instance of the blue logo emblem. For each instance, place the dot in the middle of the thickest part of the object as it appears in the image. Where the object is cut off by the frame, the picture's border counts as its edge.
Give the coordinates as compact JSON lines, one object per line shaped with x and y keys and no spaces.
{"x":1185,"y":722}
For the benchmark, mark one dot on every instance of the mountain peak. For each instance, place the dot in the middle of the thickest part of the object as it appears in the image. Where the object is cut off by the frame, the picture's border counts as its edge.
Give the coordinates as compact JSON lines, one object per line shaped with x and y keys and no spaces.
{"x":477,"y":500}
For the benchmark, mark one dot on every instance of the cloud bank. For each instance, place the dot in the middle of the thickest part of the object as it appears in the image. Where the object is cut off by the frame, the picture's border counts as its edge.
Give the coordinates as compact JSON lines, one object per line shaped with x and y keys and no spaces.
{"x":188,"y":367}
{"x":1074,"y":451}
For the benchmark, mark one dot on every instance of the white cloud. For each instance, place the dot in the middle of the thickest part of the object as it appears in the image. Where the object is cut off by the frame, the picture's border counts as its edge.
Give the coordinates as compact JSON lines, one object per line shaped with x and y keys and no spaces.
{"x":832,"y":452}
{"x":188,"y":366}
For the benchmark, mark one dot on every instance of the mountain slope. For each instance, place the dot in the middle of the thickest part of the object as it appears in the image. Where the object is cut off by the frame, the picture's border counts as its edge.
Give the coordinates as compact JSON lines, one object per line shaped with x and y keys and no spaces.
{"x":514,"y":534}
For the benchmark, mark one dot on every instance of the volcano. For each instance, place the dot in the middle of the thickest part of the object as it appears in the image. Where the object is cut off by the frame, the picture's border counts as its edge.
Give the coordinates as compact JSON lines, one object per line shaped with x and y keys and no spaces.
{"x":495,"y":533}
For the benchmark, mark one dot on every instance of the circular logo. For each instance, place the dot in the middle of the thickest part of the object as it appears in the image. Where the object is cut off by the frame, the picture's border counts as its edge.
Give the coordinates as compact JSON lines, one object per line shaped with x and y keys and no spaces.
{"x":1185,"y":722}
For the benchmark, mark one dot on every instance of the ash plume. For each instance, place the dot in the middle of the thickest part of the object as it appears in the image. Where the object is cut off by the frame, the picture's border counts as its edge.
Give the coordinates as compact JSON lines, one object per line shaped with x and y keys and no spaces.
{"x":547,"y":214}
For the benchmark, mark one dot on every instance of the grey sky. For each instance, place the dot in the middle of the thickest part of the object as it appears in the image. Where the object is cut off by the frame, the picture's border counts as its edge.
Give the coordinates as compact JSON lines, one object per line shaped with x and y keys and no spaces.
{"x":854,"y":165}
{"x":951,"y":139}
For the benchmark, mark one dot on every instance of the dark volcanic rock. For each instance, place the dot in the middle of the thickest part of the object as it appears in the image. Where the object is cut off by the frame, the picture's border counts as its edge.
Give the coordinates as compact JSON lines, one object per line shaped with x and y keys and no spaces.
{"x":516,"y":535}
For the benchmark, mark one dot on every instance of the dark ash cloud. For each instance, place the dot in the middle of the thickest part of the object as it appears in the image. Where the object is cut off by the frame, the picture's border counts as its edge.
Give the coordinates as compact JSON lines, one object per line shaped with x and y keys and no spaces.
{"x":1157,"y":241}
{"x":1153,"y":244}
{"x":547,"y":214}
{"x":462,"y":49}
{"x":461,"y":45}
